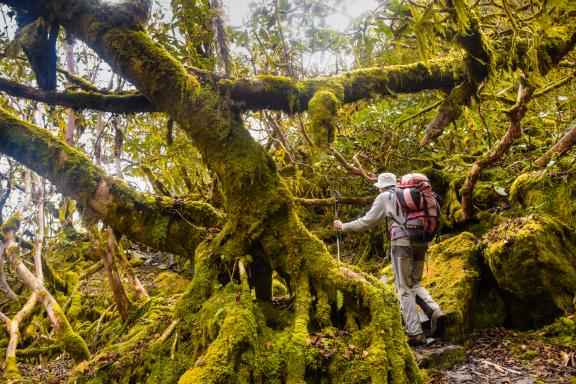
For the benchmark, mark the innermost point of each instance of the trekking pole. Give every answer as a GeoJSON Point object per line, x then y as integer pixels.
{"type": "Point", "coordinates": [336, 200]}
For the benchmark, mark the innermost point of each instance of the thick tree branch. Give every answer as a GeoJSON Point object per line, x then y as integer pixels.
{"type": "Point", "coordinates": [282, 93]}
{"type": "Point", "coordinates": [126, 103]}
{"type": "Point", "coordinates": [173, 225]}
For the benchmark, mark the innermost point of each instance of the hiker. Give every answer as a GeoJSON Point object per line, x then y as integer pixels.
{"type": "Point", "coordinates": [407, 258]}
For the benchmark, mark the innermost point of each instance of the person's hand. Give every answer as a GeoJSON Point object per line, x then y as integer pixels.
{"type": "Point", "coordinates": [337, 224]}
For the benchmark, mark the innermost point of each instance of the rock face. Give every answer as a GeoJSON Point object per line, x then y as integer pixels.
{"type": "Point", "coordinates": [451, 277]}
{"type": "Point", "coordinates": [533, 261]}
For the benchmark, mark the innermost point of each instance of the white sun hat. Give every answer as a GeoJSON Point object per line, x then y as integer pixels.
{"type": "Point", "coordinates": [385, 179]}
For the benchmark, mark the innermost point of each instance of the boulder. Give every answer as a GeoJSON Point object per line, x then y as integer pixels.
{"type": "Point", "coordinates": [533, 260]}
{"type": "Point", "coordinates": [451, 276]}
{"type": "Point", "coordinates": [553, 194]}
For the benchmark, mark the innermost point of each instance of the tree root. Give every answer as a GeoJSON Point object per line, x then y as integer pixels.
{"type": "Point", "coordinates": [221, 335]}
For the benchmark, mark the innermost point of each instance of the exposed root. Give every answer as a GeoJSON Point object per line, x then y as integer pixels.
{"type": "Point", "coordinates": [234, 348]}
{"type": "Point", "coordinates": [296, 354]}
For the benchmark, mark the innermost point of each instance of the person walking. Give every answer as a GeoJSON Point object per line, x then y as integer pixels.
{"type": "Point", "coordinates": [407, 260]}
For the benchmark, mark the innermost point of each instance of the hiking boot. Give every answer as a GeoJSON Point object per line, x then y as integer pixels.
{"type": "Point", "coordinates": [437, 323]}
{"type": "Point", "coordinates": [418, 339]}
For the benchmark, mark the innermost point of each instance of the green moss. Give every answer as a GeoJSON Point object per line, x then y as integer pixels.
{"type": "Point", "coordinates": [323, 309]}
{"type": "Point", "coordinates": [169, 283]}
{"type": "Point", "coordinates": [224, 355]}
{"type": "Point", "coordinates": [547, 193]}
{"type": "Point", "coordinates": [296, 351]}
{"type": "Point", "coordinates": [278, 288]}
{"type": "Point", "coordinates": [69, 340]}
{"type": "Point", "coordinates": [451, 277]}
{"type": "Point", "coordinates": [533, 260]}
{"type": "Point", "coordinates": [76, 305]}
{"type": "Point", "coordinates": [323, 109]}
{"type": "Point", "coordinates": [159, 231]}
{"type": "Point", "coordinates": [562, 331]}
{"type": "Point", "coordinates": [135, 262]}
{"type": "Point", "coordinates": [12, 224]}
{"type": "Point", "coordinates": [11, 371]}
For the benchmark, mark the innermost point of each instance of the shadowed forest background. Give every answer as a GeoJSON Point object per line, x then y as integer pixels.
{"type": "Point", "coordinates": [167, 180]}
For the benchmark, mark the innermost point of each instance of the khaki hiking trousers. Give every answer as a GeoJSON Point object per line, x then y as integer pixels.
{"type": "Point", "coordinates": [408, 266]}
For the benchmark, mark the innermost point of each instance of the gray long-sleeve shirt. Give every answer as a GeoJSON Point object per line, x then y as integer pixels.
{"type": "Point", "coordinates": [384, 207]}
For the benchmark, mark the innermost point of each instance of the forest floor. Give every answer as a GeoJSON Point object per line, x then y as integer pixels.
{"type": "Point", "coordinates": [493, 356]}
{"type": "Point", "coordinates": [501, 355]}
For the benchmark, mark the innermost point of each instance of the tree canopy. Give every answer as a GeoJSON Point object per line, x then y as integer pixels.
{"type": "Point", "coordinates": [155, 126]}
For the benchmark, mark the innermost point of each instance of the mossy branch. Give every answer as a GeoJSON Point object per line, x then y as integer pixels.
{"type": "Point", "coordinates": [124, 103]}
{"type": "Point", "coordinates": [134, 214]}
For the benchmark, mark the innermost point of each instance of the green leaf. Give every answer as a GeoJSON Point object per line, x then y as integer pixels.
{"type": "Point", "coordinates": [501, 191]}
{"type": "Point", "coordinates": [339, 299]}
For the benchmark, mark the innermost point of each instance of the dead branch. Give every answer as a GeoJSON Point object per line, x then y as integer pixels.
{"type": "Point", "coordinates": [355, 170]}
{"type": "Point", "coordinates": [139, 289]}
{"type": "Point", "coordinates": [514, 131]}
{"type": "Point", "coordinates": [560, 147]}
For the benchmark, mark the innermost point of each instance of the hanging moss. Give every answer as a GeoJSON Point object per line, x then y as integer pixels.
{"type": "Point", "coordinates": [322, 109]}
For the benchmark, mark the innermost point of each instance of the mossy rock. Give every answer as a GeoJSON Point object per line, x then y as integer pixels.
{"type": "Point", "coordinates": [440, 357]}
{"type": "Point", "coordinates": [170, 283]}
{"type": "Point", "coordinates": [489, 306]}
{"type": "Point", "coordinates": [533, 260]}
{"type": "Point", "coordinates": [562, 331]}
{"type": "Point", "coordinates": [451, 277]}
{"type": "Point", "coordinates": [554, 194]}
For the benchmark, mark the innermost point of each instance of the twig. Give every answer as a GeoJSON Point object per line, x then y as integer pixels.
{"type": "Point", "coordinates": [330, 201]}
{"type": "Point", "coordinates": [421, 112]}
{"type": "Point", "coordinates": [500, 368]}
{"type": "Point", "coordinates": [166, 334]}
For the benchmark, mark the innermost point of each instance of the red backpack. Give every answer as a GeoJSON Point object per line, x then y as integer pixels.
{"type": "Point", "coordinates": [421, 207]}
